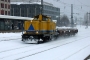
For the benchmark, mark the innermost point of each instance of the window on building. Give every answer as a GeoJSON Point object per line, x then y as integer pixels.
{"type": "Point", "coordinates": [5, 0]}
{"type": "Point", "coordinates": [8, 6]}
{"type": "Point", "coordinates": [5, 12]}
{"type": "Point", "coordinates": [2, 0]}
{"type": "Point", "coordinates": [8, 0]}
{"type": "Point", "coordinates": [2, 5]}
{"type": "Point", "coordinates": [5, 5]}
{"type": "Point", "coordinates": [2, 12]}
{"type": "Point", "coordinates": [8, 12]}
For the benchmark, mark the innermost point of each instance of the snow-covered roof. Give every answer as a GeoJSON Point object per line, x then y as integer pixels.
{"type": "Point", "coordinates": [65, 27]}
{"type": "Point", "coordinates": [15, 17]}
{"type": "Point", "coordinates": [18, 3]}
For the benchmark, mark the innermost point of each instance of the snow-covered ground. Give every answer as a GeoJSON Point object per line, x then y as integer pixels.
{"type": "Point", "coordinates": [64, 48]}
{"type": "Point", "coordinates": [7, 36]}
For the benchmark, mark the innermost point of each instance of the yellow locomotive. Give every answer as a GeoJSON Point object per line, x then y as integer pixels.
{"type": "Point", "coordinates": [41, 28]}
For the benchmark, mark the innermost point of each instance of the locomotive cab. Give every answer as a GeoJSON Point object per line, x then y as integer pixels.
{"type": "Point", "coordinates": [41, 28]}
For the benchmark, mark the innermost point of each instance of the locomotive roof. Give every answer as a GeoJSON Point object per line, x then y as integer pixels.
{"type": "Point", "coordinates": [37, 16]}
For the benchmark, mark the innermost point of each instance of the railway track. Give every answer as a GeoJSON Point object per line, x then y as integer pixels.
{"type": "Point", "coordinates": [87, 58]}
{"type": "Point", "coordinates": [9, 39]}
{"type": "Point", "coordinates": [75, 51]}
{"type": "Point", "coordinates": [38, 48]}
{"type": "Point", "coordinates": [51, 49]}
{"type": "Point", "coordinates": [14, 48]}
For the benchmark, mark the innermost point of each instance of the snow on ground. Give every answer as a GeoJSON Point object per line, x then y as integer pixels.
{"type": "Point", "coordinates": [64, 48]}
{"type": "Point", "coordinates": [4, 36]}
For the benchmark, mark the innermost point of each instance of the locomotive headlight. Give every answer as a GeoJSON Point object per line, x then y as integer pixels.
{"type": "Point", "coordinates": [31, 20]}
{"type": "Point", "coordinates": [37, 32]}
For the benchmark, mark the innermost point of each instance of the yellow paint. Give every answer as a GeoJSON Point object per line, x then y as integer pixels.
{"type": "Point", "coordinates": [40, 24]}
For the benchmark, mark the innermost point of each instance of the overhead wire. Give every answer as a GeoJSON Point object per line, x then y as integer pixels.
{"type": "Point", "coordinates": [83, 3]}
{"type": "Point", "coordinates": [73, 4]}
{"type": "Point", "coordinates": [80, 10]}
{"type": "Point", "coordinates": [67, 4]}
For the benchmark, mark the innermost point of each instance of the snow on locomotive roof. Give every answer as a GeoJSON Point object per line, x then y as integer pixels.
{"type": "Point", "coordinates": [15, 17]}
{"type": "Point", "coordinates": [65, 27]}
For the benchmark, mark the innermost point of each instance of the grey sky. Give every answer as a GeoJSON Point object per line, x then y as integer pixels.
{"type": "Point", "coordinates": [79, 6]}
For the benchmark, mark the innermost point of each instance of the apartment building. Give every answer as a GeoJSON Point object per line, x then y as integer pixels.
{"type": "Point", "coordinates": [4, 7]}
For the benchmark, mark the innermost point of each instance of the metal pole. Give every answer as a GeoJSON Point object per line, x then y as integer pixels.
{"type": "Point", "coordinates": [27, 12]}
{"type": "Point", "coordinates": [13, 11]}
{"type": "Point", "coordinates": [20, 11]}
{"type": "Point", "coordinates": [22, 27]}
{"type": "Point", "coordinates": [35, 11]}
{"type": "Point", "coordinates": [87, 20]}
{"type": "Point", "coordinates": [59, 19]}
{"type": "Point", "coordinates": [42, 7]}
{"type": "Point", "coordinates": [72, 16]}
{"type": "Point", "coordinates": [80, 22]}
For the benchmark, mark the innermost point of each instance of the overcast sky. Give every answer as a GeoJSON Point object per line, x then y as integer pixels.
{"type": "Point", "coordinates": [79, 6]}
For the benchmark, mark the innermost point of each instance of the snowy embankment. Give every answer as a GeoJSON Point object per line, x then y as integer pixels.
{"type": "Point", "coordinates": [64, 48]}
{"type": "Point", "coordinates": [7, 36]}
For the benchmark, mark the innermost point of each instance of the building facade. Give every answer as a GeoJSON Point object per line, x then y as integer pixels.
{"type": "Point", "coordinates": [4, 10]}
{"type": "Point", "coordinates": [30, 10]}
{"type": "Point", "coordinates": [4, 7]}
{"type": "Point", "coordinates": [87, 19]}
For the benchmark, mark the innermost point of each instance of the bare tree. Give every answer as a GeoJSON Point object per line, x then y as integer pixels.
{"type": "Point", "coordinates": [64, 21]}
